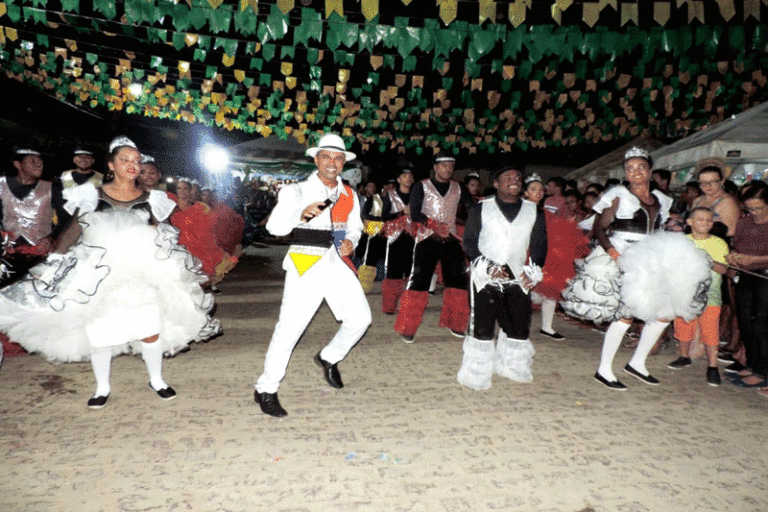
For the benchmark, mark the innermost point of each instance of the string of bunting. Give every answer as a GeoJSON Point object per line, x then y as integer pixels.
{"type": "Point", "coordinates": [272, 67]}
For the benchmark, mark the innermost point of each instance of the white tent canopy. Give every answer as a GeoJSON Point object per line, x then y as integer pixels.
{"type": "Point", "coordinates": [742, 139]}
{"type": "Point", "coordinates": [612, 164]}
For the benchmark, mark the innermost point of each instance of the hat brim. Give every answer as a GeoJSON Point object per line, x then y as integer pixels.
{"type": "Point", "coordinates": [348, 155]}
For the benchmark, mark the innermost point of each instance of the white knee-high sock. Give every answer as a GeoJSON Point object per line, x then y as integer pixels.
{"type": "Point", "coordinates": [547, 315]}
{"type": "Point", "coordinates": [101, 362]}
{"type": "Point", "coordinates": [649, 336]}
{"type": "Point", "coordinates": [152, 353]}
{"type": "Point", "coordinates": [611, 342]}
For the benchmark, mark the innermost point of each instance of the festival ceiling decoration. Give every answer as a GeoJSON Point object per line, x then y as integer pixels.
{"type": "Point", "coordinates": [402, 75]}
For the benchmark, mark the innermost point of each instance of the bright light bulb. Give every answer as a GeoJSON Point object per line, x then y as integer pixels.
{"type": "Point", "coordinates": [136, 90]}
{"type": "Point", "coordinates": [214, 158]}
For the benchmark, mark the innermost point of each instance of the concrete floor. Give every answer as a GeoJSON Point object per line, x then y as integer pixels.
{"type": "Point", "coordinates": [401, 436]}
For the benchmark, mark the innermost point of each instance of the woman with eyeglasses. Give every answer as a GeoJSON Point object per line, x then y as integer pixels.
{"type": "Point", "coordinates": [750, 253]}
{"type": "Point", "coordinates": [724, 206]}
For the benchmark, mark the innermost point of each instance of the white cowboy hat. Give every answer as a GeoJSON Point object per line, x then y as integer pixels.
{"type": "Point", "coordinates": [331, 142]}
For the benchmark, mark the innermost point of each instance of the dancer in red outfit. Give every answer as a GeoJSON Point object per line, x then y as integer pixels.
{"type": "Point", "coordinates": [434, 205]}
{"type": "Point", "coordinates": [228, 225]}
{"type": "Point", "coordinates": [197, 225]}
{"type": "Point", "coordinates": [565, 243]}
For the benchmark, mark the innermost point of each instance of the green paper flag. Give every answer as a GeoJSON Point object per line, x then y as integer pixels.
{"type": "Point", "coordinates": [106, 7]}
{"type": "Point", "coordinates": [219, 20]}
{"type": "Point", "coordinates": [198, 17]}
{"type": "Point", "coordinates": [181, 17]}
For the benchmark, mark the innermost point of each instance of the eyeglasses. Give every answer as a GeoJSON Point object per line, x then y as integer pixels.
{"type": "Point", "coordinates": [710, 182]}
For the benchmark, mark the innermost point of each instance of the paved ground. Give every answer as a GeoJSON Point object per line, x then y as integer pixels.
{"type": "Point", "coordinates": [401, 436]}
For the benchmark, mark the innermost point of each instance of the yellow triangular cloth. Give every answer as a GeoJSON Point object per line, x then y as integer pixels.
{"type": "Point", "coordinates": [303, 261]}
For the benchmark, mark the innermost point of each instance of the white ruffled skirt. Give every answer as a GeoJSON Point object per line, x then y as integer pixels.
{"type": "Point", "coordinates": [661, 276]}
{"type": "Point", "coordinates": [123, 281]}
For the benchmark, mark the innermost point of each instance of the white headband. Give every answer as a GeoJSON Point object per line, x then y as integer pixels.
{"type": "Point", "coordinates": [27, 152]}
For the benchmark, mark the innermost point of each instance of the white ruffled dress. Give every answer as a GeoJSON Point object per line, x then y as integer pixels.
{"type": "Point", "coordinates": [124, 280]}
{"type": "Point", "coordinates": [658, 276]}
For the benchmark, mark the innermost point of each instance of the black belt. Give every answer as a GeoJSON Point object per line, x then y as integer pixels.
{"type": "Point", "coordinates": [312, 237]}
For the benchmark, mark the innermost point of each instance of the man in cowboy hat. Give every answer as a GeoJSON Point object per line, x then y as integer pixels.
{"type": "Point", "coordinates": [434, 205]}
{"type": "Point", "coordinates": [324, 216]}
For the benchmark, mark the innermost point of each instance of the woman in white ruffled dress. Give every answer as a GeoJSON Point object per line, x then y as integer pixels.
{"type": "Point", "coordinates": [117, 282]}
{"type": "Point", "coordinates": [636, 271]}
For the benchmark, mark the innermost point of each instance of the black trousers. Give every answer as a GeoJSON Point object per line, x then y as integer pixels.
{"type": "Point", "coordinates": [752, 303]}
{"type": "Point", "coordinates": [509, 306]}
{"type": "Point", "coordinates": [427, 253]}
{"type": "Point", "coordinates": [375, 245]}
{"type": "Point", "coordinates": [400, 257]}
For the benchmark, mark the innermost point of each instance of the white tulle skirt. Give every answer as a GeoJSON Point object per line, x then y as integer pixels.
{"type": "Point", "coordinates": [123, 281]}
{"type": "Point", "coordinates": [661, 276]}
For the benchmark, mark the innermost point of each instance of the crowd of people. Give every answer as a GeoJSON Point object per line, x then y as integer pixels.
{"type": "Point", "coordinates": [87, 253]}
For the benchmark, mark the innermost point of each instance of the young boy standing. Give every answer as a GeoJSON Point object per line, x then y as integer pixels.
{"type": "Point", "coordinates": [701, 220]}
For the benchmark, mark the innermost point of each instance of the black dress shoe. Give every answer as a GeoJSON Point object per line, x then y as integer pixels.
{"type": "Point", "coordinates": [269, 404]}
{"type": "Point", "coordinates": [330, 372]}
{"type": "Point", "coordinates": [648, 379]}
{"type": "Point", "coordinates": [97, 402]}
{"type": "Point", "coordinates": [167, 393]}
{"type": "Point", "coordinates": [613, 384]}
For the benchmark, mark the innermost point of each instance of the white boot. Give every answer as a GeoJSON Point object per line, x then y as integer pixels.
{"type": "Point", "coordinates": [514, 358]}
{"type": "Point", "coordinates": [477, 365]}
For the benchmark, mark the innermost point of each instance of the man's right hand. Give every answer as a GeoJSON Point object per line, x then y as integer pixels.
{"type": "Point", "coordinates": [312, 211]}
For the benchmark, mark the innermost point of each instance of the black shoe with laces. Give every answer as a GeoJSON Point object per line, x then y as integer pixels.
{"type": "Point", "coordinates": [680, 362]}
